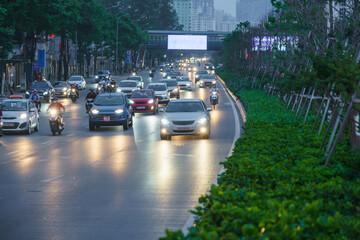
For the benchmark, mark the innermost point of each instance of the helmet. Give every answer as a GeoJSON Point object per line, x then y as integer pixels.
{"type": "Point", "coordinates": [91, 90]}
{"type": "Point", "coordinates": [55, 98]}
{"type": "Point", "coordinates": [34, 90]}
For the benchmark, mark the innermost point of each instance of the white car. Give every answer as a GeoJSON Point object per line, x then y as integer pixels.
{"type": "Point", "coordinates": [78, 80]}
{"type": "Point", "coordinates": [184, 83]}
{"type": "Point", "coordinates": [207, 80]}
{"type": "Point", "coordinates": [161, 92]}
{"type": "Point", "coordinates": [20, 115]}
{"type": "Point", "coordinates": [185, 117]}
{"type": "Point", "coordinates": [139, 79]}
{"type": "Point", "coordinates": [127, 86]}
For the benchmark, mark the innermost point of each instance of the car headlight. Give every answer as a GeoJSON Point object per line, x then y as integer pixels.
{"type": "Point", "coordinates": [118, 90]}
{"type": "Point", "coordinates": [151, 101]}
{"type": "Point", "coordinates": [164, 121]}
{"type": "Point", "coordinates": [64, 89]}
{"type": "Point", "coordinates": [194, 69]}
{"type": "Point", "coordinates": [1, 123]}
{"type": "Point", "coordinates": [23, 116]}
{"type": "Point", "coordinates": [45, 93]}
{"type": "Point", "coordinates": [27, 92]}
{"type": "Point", "coordinates": [214, 82]}
{"type": "Point", "coordinates": [94, 111]}
{"type": "Point", "coordinates": [168, 77]}
{"type": "Point", "coordinates": [175, 90]}
{"type": "Point", "coordinates": [131, 101]}
{"type": "Point", "coordinates": [73, 90]}
{"type": "Point", "coordinates": [188, 84]}
{"type": "Point", "coordinates": [202, 120]}
{"type": "Point", "coordinates": [96, 77]}
{"type": "Point", "coordinates": [201, 81]}
{"type": "Point", "coordinates": [53, 112]}
{"type": "Point", "coordinates": [197, 76]}
{"type": "Point", "coordinates": [119, 111]}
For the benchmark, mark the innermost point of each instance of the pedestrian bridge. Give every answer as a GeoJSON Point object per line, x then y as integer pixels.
{"type": "Point", "coordinates": [182, 40]}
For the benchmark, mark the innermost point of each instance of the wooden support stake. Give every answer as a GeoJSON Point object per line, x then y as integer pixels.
{"type": "Point", "coordinates": [307, 112]}
{"type": "Point", "coordinates": [301, 98]}
{"type": "Point", "coordinates": [324, 116]}
{"type": "Point", "coordinates": [318, 115]}
{"type": "Point", "coordinates": [335, 128]}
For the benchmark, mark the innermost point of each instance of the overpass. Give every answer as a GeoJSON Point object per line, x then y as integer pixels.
{"type": "Point", "coordinates": [158, 39]}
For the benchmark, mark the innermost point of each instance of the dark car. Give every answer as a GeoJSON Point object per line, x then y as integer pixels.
{"type": "Point", "coordinates": [111, 109]}
{"type": "Point", "coordinates": [62, 89]}
{"type": "Point", "coordinates": [199, 73]}
{"type": "Point", "coordinates": [102, 74]}
{"type": "Point", "coordinates": [143, 101]}
{"type": "Point", "coordinates": [44, 89]}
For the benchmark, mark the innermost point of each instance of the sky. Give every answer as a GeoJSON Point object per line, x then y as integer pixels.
{"type": "Point", "coordinates": [228, 5]}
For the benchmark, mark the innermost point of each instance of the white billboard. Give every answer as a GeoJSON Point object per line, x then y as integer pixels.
{"type": "Point", "coordinates": [187, 42]}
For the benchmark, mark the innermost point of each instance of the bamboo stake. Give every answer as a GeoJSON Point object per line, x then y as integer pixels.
{"type": "Point", "coordinates": [301, 98]}
{"type": "Point", "coordinates": [332, 120]}
{"type": "Point", "coordinates": [307, 112]}
{"type": "Point", "coordinates": [303, 108]}
{"type": "Point", "coordinates": [318, 115]}
{"type": "Point", "coordinates": [335, 128]}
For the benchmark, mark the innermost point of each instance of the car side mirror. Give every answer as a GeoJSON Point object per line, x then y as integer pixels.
{"type": "Point", "coordinates": [32, 109]}
{"type": "Point", "coordinates": [209, 109]}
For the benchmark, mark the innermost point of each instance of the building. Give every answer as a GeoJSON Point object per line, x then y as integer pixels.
{"type": "Point", "coordinates": [203, 15]}
{"type": "Point", "coordinates": [183, 10]}
{"type": "Point", "coordinates": [252, 11]}
{"type": "Point", "coordinates": [224, 22]}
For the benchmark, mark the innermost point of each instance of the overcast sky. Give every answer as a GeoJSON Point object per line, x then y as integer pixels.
{"type": "Point", "coordinates": [227, 5]}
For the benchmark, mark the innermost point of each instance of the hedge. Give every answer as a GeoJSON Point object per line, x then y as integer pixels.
{"type": "Point", "coordinates": [275, 185]}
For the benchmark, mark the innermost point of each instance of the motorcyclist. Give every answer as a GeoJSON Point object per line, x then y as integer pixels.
{"type": "Point", "coordinates": [214, 89]}
{"type": "Point", "coordinates": [74, 86]}
{"type": "Point", "coordinates": [36, 99]}
{"type": "Point", "coordinates": [91, 94]}
{"type": "Point", "coordinates": [99, 88]}
{"type": "Point", "coordinates": [108, 84]}
{"type": "Point", "coordinates": [59, 107]}
{"type": "Point", "coordinates": [1, 133]}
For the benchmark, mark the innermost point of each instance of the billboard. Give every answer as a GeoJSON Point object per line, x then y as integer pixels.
{"type": "Point", "coordinates": [187, 42]}
{"type": "Point", "coordinates": [265, 43]}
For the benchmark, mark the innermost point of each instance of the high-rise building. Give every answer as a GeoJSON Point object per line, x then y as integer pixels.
{"type": "Point", "coordinates": [183, 10]}
{"type": "Point", "coordinates": [203, 15]}
{"type": "Point", "coordinates": [224, 21]}
{"type": "Point", "coordinates": [252, 10]}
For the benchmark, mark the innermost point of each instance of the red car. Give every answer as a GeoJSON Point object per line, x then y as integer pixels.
{"type": "Point", "coordinates": [143, 101]}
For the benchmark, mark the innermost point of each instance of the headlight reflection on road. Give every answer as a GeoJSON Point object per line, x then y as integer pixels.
{"type": "Point", "coordinates": [25, 165]}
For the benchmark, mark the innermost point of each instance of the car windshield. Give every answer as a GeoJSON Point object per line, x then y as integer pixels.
{"type": "Point", "coordinates": [75, 78]}
{"type": "Point", "coordinates": [109, 100]}
{"type": "Point", "coordinates": [170, 83]}
{"type": "Point", "coordinates": [135, 78]}
{"type": "Point", "coordinates": [128, 84]}
{"type": "Point", "coordinates": [183, 79]}
{"type": "Point", "coordinates": [202, 73]}
{"type": "Point", "coordinates": [185, 107]}
{"type": "Point", "coordinates": [208, 76]}
{"type": "Point", "coordinates": [60, 84]}
{"type": "Point", "coordinates": [39, 85]}
{"type": "Point", "coordinates": [157, 87]}
{"type": "Point", "coordinates": [141, 94]}
{"type": "Point", "coordinates": [14, 106]}
{"type": "Point", "coordinates": [103, 72]}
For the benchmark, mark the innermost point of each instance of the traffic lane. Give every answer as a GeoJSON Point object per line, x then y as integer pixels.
{"type": "Point", "coordinates": [153, 176]}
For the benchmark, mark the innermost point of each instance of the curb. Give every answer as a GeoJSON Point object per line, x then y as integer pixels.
{"type": "Point", "coordinates": [191, 220]}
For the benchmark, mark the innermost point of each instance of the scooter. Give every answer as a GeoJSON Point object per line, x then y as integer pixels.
{"type": "Point", "coordinates": [1, 124]}
{"type": "Point", "coordinates": [89, 104]}
{"type": "Point", "coordinates": [73, 95]}
{"type": "Point", "coordinates": [55, 120]}
{"type": "Point", "coordinates": [214, 99]}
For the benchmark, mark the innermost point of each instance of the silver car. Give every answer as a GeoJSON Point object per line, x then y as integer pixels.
{"type": "Point", "coordinates": [78, 80]}
{"type": "Point", "coordinates": [161, 92]}
{"type": "Point", "coordinates": [184, 83]}
{"type": "Point", "coordinates": [139, 79]}
{"type": "Point", "coordinates": [20, 115]}
{"type": "Point", "coordinates": [127, 86]}
{"type": "Point", "coordinates": [185, 117]}
{"type": "Point", "coordinates": [207, 80]}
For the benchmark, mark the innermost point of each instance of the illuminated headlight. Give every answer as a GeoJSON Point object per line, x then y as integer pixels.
{"type": "Point", "coordinates": [188, 84]}
{"type": "Point", "coordinates": [150, 72]}
{"type": "Point", "coordinates": [164, 74]}
{"type": "Point", "coordinates": [94, 111]}
{"type": "Point", "coordinates": [73, 90]}
{"type": "Point", "coordinates": [196, 75]}
{"type": "Point", "coordinates": [27, 92]}
{"type": "Point", "coordinates": [164, 121]}
{"type": "Point", "coordinates": [119, 111]}
{"type": "Point", "coordinates": [1, 124]}
{"type": "Point", "coordinates": [96, 77]}
{"type": "Point", "coordinates": [168, 77]}
{"type": "Point", "coordinates": [53, 112]}
{"type": "Point", "coordinates": [23, 116]}
{"type": "Point", "coordinates": [64, 89]}
{"type": "Point", "coordinates": [201, 82]}
{"type": "Point", "coordinates": [118, 90]}
{"type": "Point", "coordinates": [131, 101]}
{"type": "Point", "coordinates": [99, 89]}
{"type": "Point", "coordinates": [151, 101]}
{"type": "Point", "coordinates": [189, 69]}
{"type": "Point", "coordinates": [214, 82]}
{"type": "Point", "coordinates": [45, 93]}
{"type": "Point", "coordinates": [194, 69]}
{"type": "Point", "coordinates": [202, 120]}
{"type": "Point", "coordinates": [107, 76]}
{"type": "Point", "coordinates": [175, 90]}
{"type": "Point", "coordinates": [112, 85]}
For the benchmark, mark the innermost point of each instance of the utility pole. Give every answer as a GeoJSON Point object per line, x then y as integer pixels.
{"type": "Point", "coordinates": [117, 39]}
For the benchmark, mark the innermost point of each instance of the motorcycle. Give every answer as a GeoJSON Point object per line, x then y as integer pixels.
{"type": "Point", "coordinates": [214, 99]}
{"type": "Point", "coordinates": [1, 124]}
{"type": "Point", "coordinates": [37, 104]}
{"type": "Point", "coordinates": [89, 104]}
{"type": "Point", "coordinates": [99, 89]}
{"type": "Point", "coordinates": [73, 95]}
{"type": "Point", "coordinates": [56, 125]}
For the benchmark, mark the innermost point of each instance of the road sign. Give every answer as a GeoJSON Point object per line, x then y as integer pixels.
{"type": "Point", "coordinates": [36, 66]}
{"type": "Point", "coordinates": [128, 57]}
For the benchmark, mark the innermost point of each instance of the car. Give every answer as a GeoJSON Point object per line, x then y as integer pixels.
{"type": "Point", "coordinates": [139, 79]}
{"type": "Point", "coordinates": [102, 74]}
{"type": "Point", "coordinates": [161, 92]}
{"type": "Point", "coordinates": [209, 66]}
{"type": "Point", "coordinates": [111, 109]}
{"type": "Point", "coordinates": [44, 89]}
{"type": "Point", "coordinates": [192, 68]}
{"type": "Point", "coordinates": [62, 88]}
{"type": "Point", "coordinates": [20, 115]}
{"type": "Point", "coordinates": [143, 101]}
{"type": "Point", "coordinates": [174, 75]}
{"type": "Point", "coordinates": [78, 80]}
{"type": "Point", "coordinates": [207, 80]}
{"type": "Point", "coordinates": [199, 73]}
{"type": "Point", "coordinates": [127, 86]}
{"type": "Point", "coordinates": [185, 117]}
{"type": "Point", "coordinates": [172, 86]}
{"type": "Point", "coordinates": [184, 83]}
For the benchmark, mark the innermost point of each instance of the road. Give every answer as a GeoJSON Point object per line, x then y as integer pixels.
{"type": "Point", "coordinates": [109, 183]}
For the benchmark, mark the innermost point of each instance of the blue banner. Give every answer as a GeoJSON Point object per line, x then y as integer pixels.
{"type": "Point", "coordinates": [41, 58]}
{"type": "Point", "coordinates": [128, 57]}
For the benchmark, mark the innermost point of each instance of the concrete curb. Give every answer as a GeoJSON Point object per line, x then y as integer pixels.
{"type": "Point", "coordinates": [191, 220]}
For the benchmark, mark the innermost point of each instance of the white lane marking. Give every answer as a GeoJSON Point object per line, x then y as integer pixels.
{"type": "Point", "coordinates": [52, 179]}
{"type": "Point", "coordinates": [95, 162]}
{"type": "Point", "coordinates": [43, 160]}
{"type": "Point", "coordinates": [69, 135]}
{"type": "Point", "coordinates": [191, 220]}
{"type": "Point", "coordinates": [12, 152]}
{"type": "Point", "coordinates": [183, 155]}
{"type": "Point", "coordinates": [46, 142]}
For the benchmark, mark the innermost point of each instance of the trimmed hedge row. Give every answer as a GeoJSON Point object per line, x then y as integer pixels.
{"type": "Point", "coordinates": [275, 185]}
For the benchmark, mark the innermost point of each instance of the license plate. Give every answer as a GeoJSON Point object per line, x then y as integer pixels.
{"type": "Point", "coordinates": [182, 128]}
{"type": "Point", "coordinates": [107, 119]}
{"type": "Point", "coordinates": [140, 107]}
{"type": "Point", "coordinates": [5, 124]}
{"type": "Point", "coordinates": [182, 87]}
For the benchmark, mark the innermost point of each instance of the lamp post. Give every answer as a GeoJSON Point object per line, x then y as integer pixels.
{"type": "Point", "coordinates": [117, 38]}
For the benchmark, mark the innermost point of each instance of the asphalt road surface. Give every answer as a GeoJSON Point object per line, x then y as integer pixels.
{"type": "Point", "coordinates": [109, 183]}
